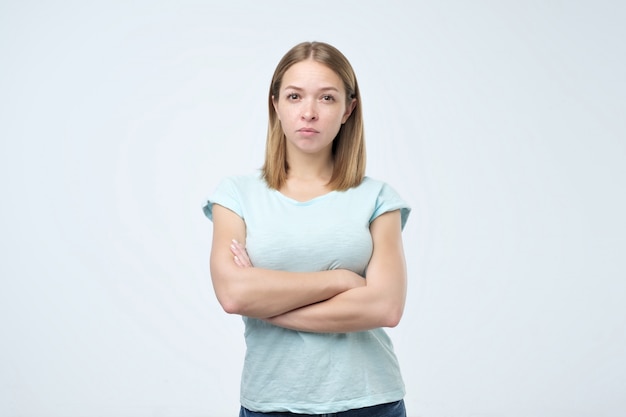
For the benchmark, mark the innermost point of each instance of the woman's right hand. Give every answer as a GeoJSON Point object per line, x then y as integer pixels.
{"type": "Point", "coordinates": [240, 254]}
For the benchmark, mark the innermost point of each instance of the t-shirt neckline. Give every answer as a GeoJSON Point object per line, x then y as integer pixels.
{"type": "Point", "coordinates": [307, 202]}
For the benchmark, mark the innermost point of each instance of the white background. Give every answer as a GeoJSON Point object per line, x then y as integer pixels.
{"type": "Point", "coordinates": [501, 122]}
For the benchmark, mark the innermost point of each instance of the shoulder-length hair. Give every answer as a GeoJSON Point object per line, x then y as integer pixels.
{"type": "Point", "coordinates": [348, 146]}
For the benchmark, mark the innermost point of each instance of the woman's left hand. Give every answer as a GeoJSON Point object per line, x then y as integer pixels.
{"type": "Point", "coordinates": [241, 257]}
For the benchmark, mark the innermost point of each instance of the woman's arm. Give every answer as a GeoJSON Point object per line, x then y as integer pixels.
{"type": "Point", "coordinates": [262, 293]}
{"type": "Point", "coordinates": [380, 303]}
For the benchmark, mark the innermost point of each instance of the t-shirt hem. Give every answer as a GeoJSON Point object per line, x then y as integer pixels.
{"type": "Point", "coordinates": [326, 407]}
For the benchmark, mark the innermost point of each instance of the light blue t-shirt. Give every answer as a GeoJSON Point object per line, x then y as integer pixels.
{"type": "Point", "coordinates": [302, 372]}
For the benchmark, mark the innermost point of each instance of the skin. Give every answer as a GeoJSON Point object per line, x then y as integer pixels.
{"type": "Point", "coordinates": [311, 106]}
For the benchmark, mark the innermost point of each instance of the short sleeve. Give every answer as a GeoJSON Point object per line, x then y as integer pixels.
{"type": "Point", "coordinates": [227, 195]}
{"type": "Point", "coordinates": [389, 200]}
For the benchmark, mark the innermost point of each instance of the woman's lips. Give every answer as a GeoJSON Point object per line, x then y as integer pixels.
{"type": "Point", "coordinates": [307, 130]}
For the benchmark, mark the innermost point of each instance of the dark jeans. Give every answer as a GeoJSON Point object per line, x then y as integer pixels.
{"type": "Point", "coordinates": [383, 410]}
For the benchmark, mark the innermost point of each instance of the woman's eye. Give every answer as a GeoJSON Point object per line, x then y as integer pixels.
{"type": "Point", "coordinates": [293, 96]}
{"type": "Point", "coordinates": [328, 98]}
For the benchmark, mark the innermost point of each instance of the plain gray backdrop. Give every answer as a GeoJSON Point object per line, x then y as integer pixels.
{"type": "Point", "coordinates": [501, 122]}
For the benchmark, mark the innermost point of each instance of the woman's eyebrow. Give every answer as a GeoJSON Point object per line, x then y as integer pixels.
{"type": "Point", "coordinates": [293, 87]}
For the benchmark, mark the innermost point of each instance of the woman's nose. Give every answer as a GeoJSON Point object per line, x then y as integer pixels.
{"type": "Point", "coordinates": [309, 112]}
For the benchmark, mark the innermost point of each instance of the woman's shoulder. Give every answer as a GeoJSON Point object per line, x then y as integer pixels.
{"type": "Point", "coordinates": [372, 189]}
{"type": "Point", "coordinates": [369, 184]}
{"type": "Point", "coordinates": [387, 198]}
{"type": "Point", "coordinates": [382, 191]}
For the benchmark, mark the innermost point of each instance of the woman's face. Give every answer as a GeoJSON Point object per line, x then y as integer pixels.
{"type": "Point", "coordinates": [311, 107]}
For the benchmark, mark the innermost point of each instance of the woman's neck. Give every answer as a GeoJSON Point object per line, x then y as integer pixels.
{"type": "Point", "coordinates": [308, 177]}
{"type": "Point", "coordinates": [310, 168]}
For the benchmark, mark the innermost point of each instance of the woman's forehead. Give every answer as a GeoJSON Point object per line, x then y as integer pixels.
{"type": "Point", "coordinates": [309, 73]}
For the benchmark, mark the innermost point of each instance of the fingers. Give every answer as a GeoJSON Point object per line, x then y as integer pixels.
{"type": "Point", "coordinates": [240, 255]}
{"type": "Point", "coordinates": [238, 262]}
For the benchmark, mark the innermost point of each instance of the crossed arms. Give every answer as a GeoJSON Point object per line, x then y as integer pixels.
{"type": "Point", "coordinates": [334, 301]}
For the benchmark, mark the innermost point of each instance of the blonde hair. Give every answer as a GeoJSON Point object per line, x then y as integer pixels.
{"type": "Point", "coordinates": [349, 144]}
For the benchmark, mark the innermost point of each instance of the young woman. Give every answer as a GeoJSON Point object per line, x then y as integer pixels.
{"type": "Point", "coordinates": [309, 251]}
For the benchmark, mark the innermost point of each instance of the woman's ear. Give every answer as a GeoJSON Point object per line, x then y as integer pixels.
{"type": "Point", "coordinates": [275, 104]}
{"type": "Point", "coordinates": [349, 108]}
